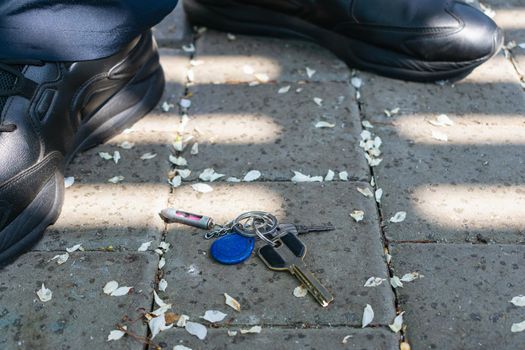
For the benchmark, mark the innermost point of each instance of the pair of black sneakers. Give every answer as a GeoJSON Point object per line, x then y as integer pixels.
{"type": "Point", "coordinates": [52, 110]}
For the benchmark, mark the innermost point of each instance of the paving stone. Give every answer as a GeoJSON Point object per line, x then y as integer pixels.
{"type": "Point", "coordinates": [457, 190]}
{"type": "Point", "coordinates": [282, 60]}
{"type": "Point", "coordinates": [122, 216]}
{"type": "Point", "coordinates": [463, 300]}
{"type": "Point", "coordinates": [175, 29]}
{"type": "Point", "coordinates": [241, 128]}
{"type": "Point", "coordinates": [276, 338]}
{"type": "Point", "coordinates": [343, 260]}
{"type": "Point", "coordinates": [79, 312]}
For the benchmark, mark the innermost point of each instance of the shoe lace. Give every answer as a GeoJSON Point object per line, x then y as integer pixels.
{"type": "Point", "coordinates": [7, 90]}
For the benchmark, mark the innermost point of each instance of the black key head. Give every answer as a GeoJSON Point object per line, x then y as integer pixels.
{"type": "Point", "coordinates": [284, 254]}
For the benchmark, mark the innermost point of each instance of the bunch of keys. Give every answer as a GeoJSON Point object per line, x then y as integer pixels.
{"type": "Point", "coordinates": [283, 250]}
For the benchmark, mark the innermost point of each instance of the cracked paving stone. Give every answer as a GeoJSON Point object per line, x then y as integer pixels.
{"type": "Point", "coordinates": [240, 128]}
{"type": "Point", "coordinates": [79, 313]}
{"type": "Point", "coordinates": [463, 300]}
{"type": "Point", "coordinates": [342, 260]}
{"type": "Point", "coordinates": [282, 61]}
{"type": "Point", "coordinates": [459, 190]}
{"type": "Point", "coordinates": [275, 338]}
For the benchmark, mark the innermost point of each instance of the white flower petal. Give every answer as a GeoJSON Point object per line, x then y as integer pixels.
{"type": "Point", "coordinates": [310, 72]}
{"type": "Point", "coordinates": [180, 161]}
{"type": "Point", "coordinates": [162, 262]}
{"type": "Point", "coordinates": [262, 77]}
{"type": "Point", "coordinates": [365, 192]}
{"type": "Point", "coordinates": [440, 136]}
{"type": "Point", "coordinates": [395, 282]}
{"type": "Point", "coordinates": [116, 334]}
{"type": "Point", "coordinates": [185, 103]}
{"type": "Point", "coordinates": [397, 324]}
{"type": "Point", "coordinates": [214, 316]}
{"type": "Point", "coordinates": [324, 125]}
{"type": "Point", "coordinates": [116, 157]}
{"type": "Point", "coordinates": [518, 300]}
{"type": "Point", "coordinates": [343, 175]}
{"type": "Point", "coordinates": [400, 216]}
{"type": "Point", "coordinates": [196, 329]}
{"type": "Point", "coordinates": [120, 291]}
{"type": "Point", "coordinates": [126, 145]}
{"type": "Point", "coordinates": [69, 181]}
{"type": "Point", "coordinates": [181, 347]}
{"type": "Point", "coordinates": [105, 155]}
{"type": "Point", "coordinates": [518, 327]}
{"type": "Point", "coordinates": [232, 333]}
{"type": "Point", "coordinates": [116, 179]}
{"type": "Point", "coordinates": [252, 175]}
{"type": "Point", "coordinates": [284, 89]}
{"type": "Point", "coordinates": [44, 294]}
{"type": "Point", "coordinates": [176, 181]}
{"type": "Point", "coordinates": [184, 173]}
{"type": "Point", "coordinates": [182, 320]}
{"type": "Point", "coordinates": [157, 325]}
{"type": "Point", "coordinates": [409, 277]}
{"type": "Point", "coordinates": [318, 101]}
{"type": "Point", "coordinates": [202, 188]}
{"type": "Point", "coordinates": [194, 149]}
{"type": "Point", "coordinates": [378, 195]}
{"type": "Point", "coordinates": [62, 258]}
{"type": "Point", "coordinates": [234, 304]}
{"type": "Point", "coordinates": [148, 155]}
{"type": "Point", "coordinates": [374, 281]}
{"type": "Point", "coordinates": [210, 175]}
{"type": "Point", "coordinates": [110, 287]}
{"type": "Point", "coordinates": [144, 246]}
{"type": "Point", "coordinates": [299, 177]}
{"type": "Point", "coordinates": [163, 284]}
{"type": "Point", "coordinates": [329, 175]}
{"type": "Point", "coordinates": [300, 292]}
{"type": "Point", "coordinates": [75, 248]}
{"type": "Point", "coordinates": [442, 120]}
{"type": "Point", "coordinates": [368, 316]}
{"type": "Point", "coordinates": [357, 215]}
{"type": "Point", "coordinates": [367, 124]}
{"type": "Point", "coordinates": [252, 330]}
{"type": "Point", "coordinates": [233, 179]}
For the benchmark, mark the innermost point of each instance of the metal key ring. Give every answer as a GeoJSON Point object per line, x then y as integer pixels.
{"type": "Point", "coordinates": [269, 224]}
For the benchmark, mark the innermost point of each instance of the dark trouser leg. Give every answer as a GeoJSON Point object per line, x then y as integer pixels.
{"type": "Point", "coordinates": [66, 30]}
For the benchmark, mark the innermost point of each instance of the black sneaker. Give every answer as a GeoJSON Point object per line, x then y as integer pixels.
{"type": "Point", "coordinates": [420, 40]}
{"type": "Point", "coordinates": [52, 110]}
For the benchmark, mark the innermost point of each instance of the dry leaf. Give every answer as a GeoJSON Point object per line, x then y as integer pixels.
{"type": "Point", "coordinates": [300, 292]}
{"type": "Point", "coordinates": [398, 323]}
{"type": "Point", "coordinates": [252, 330]}
{"type": "Point", "coordinates": [368, 316]}
{"type": "Point", "coordinates": [196, 329]}
{"type": "Point", "coordinates": [214, 316]}
{"type": "Point", "coordinates": [324, 125]}
{"type": "Point", "coordinates": [252, 175]}
{"type": "Point", "coordinates": [69, 181]}
{"type": "Point", "coordinates": [234, 304]}
{"type": "Point", "coordinates": [519, 300]}
{"type": "Point", "coordinates": [44, 294]}
{"type": "Point", "coordinates": [400, 216]}
{"type": "Point", "coordinates": [357, 215]}
{"type": "Point", "coordinates": [329, 175]}
{"type": "Point", "coordinates": [202, 188]}
{"type": "Point", "coordinates": [374, 281]}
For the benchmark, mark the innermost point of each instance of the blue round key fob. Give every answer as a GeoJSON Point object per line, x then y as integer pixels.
{"type": "Point", "coordinates": [232, 249]}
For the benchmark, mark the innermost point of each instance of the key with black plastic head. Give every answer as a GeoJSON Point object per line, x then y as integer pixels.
{"type": "Point", "coordinates": [287, 255]}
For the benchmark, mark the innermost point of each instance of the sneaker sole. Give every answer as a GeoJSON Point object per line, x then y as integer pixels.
{"type": "Point", "coordinates": [246, 19]}
{"type": "Point", "coordinates": [45, 209]}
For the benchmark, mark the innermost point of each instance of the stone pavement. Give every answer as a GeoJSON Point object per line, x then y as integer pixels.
{"type": "Point", "coordinates": [463, 198]}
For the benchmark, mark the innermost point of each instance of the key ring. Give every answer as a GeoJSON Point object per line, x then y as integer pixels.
{"type": "Point", "coordinates": [255, 223]}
